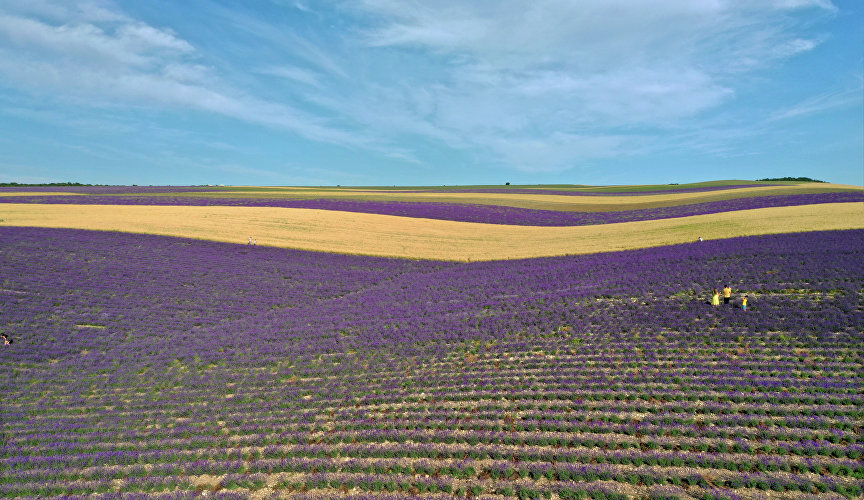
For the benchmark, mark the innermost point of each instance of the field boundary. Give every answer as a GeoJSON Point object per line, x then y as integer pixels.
{"type": "Point", "coordinates": [393, 236]}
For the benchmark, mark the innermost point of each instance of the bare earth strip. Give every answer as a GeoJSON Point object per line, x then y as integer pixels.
{"type": "Point", "coordinates": [538, 201]}
{"type": "Point", "coordinates": [385, 235]}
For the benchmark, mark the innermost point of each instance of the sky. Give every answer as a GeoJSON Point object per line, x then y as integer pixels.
{"type": "Point", "coordinates": [432, 92]}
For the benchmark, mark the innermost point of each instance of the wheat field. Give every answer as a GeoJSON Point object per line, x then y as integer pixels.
{"type": "Point", "coordinates": [385, 235]}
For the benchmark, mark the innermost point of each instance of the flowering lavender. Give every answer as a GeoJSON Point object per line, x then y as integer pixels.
{"type": "Point", "coordinates": [489, 214]}
{"type": "Point", "coordinates": [106, 190]}
{"type": "Point", "coordinates": [146, 365]}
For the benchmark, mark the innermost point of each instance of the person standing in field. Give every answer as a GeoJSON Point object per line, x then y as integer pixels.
{"type": "Point", "coordinates": [727, 294]}
{"type": "Point", "coordinates": [744, 303]}
{"type": "Point", "coordinates": [715, 299]}
{"type": "Point", "coordinates": [250, 241]}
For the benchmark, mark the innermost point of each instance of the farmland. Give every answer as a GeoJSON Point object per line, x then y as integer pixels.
{"type": "Point", "coordinates": [446, 224]}
{"type": "Point", "coordinates": [146, 364]}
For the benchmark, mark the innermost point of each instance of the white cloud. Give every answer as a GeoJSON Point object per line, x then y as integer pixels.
{"type": "Point", "coordinates": [111, 60]}
{"type": "Point", "coordinates": [302, 7]}
{"type": "Point", "coordinates": [820, 103]}
{"type": "Point", "coordinates": [293, 73]}
{"type": "Point", "coordinates": [541, 85]}
{"type": "Point", "coordinates": [798, 4]}
{"type": "Point", "coordinates": [795, 46]}
{"type": "Point", "coordinates": [276, 37]}
{"type": "Point", "coordinates": [85, 42]}
{"type": "Point", "coordinates": [538, 82]}
{"type": "Point", "coordinates": [559, 151]}
{"type": "Point", "coordinates": [140, 36]}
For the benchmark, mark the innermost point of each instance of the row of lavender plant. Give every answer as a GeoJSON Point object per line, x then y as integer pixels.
{"type": "Point", "coordinates": [193, 366]}
{"type": "Point", "coordinates": [488, 214]}
{"type": "Point", "coordinates": [108, 190]}
{"type": "Point", "coordinates": [592, 191]}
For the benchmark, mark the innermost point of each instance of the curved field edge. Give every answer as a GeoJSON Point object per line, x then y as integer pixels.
{"type": "Point", "coordinates": [486, 214]}
{"type": "Point", "coordinates": [539, 188]}
{"type": "Point", "coordinates": [535, 200]}
{"type": "Point", "coordinates": [526, 199]}
{"type": "Point", "coordinates": [393, 236]}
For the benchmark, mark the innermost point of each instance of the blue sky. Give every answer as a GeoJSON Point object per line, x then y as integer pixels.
{"type": "Point", "coordinates": [401, 92]}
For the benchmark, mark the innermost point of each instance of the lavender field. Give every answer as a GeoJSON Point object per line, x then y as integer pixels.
{"type": "Point", "coordinates": [147, 365]}
{"type": "Point", "coordinates": [487, 214]}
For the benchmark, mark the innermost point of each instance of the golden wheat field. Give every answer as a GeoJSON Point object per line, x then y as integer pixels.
{"type": "Point", "coordinates": [384, 235]}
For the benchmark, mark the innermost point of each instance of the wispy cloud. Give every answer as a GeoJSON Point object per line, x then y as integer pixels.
{"type": "Point", "coordinates": [552, 82]}
{"type": "Point", "coordinates": [539, 86]}
{"type": "Point", "coordinates": [820, 103]}
{"type": "Point", "coordinates": [129, 45]}
{"type": "Point", "coordinates": [287, 43]}
{"type": "Point", "coordinates": [293, 73]}
{"type": "Point", "coordinates": [111, 60]}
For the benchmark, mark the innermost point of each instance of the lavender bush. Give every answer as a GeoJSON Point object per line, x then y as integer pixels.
{"type": "Point", "coordinates": [154, 366]}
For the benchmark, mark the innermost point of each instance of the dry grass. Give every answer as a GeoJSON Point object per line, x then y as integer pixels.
{"type": "Point", "coordinates": [372, 234]}
{"type": "Point", "coordinates": [538, 201]}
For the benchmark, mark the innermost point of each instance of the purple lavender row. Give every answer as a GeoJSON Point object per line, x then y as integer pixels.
{"type": "Point", "coordinates": [387, 472]}
{"type": "Point", "coordinates": [571, 192]}
{"type": "Point", "coordinates": [101, 190]}
{"type": "Point", "coordinates": [672, 415]}
{"type": "Point", "coordinates": [835, 430]}
{"type": "Point", "coordinates": [105, 190]}
{"type": "Point", "coordinates": [378, 312]}
{"type": "Point", "coordinates": [487, 214]}
{"type": "Point", "coordinates": [827, 434]}
{"type": "Point", "coordinates": [281, 458]}
{"type": "Point", "coordinates": [275, 458]}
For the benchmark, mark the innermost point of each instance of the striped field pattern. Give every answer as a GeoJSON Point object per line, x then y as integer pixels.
{"type": "Point", "coordinates": [162, 366]}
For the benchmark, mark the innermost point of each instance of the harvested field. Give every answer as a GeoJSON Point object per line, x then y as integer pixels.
{"type": "Point", "coordinates": [487, 214]}
{"type": "Point", "coordinates": [372, 234]}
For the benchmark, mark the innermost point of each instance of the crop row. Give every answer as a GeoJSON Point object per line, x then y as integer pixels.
{"type": "Point", "coordinates": [488, 214]}
{"type": "Point", "coordinates": [138, 360]}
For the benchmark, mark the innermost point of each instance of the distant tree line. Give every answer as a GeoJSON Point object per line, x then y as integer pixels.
{"type": "Point", "coordinates": [796, 179]}
{"type": "Point", "coordinates": [13, 184]}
